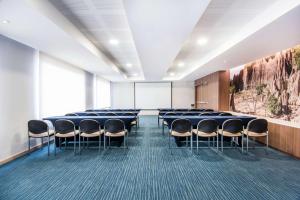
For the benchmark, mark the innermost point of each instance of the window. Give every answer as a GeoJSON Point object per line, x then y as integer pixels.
{"type": "Point", "coordinates": [62, 88]}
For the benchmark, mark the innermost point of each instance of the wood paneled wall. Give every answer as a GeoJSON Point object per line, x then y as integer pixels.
{"type": "Point", "coordinates": [284, 138]}
{"type": "Point", "coordinates": [212, 91]}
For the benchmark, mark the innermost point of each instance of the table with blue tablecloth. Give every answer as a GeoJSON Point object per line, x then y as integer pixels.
{"type": "Point", "coordinates": [101, 119]}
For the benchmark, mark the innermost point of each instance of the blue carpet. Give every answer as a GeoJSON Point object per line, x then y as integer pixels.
{"type": "Point", "coordinates": [147, 170]}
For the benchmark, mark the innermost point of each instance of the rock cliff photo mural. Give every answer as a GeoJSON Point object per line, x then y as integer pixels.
{"type": "Point", "coordinates": [269, 86]}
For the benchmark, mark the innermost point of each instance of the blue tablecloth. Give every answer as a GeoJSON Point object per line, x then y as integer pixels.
{"type": "Point", "coordinates": [195, 119]}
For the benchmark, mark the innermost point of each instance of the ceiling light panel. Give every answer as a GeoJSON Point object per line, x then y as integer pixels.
{"type": "Point", "coordinates": [105, 24]}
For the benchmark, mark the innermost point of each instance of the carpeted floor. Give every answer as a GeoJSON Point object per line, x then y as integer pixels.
{"type": "Point", "coordinates": [147, 170]}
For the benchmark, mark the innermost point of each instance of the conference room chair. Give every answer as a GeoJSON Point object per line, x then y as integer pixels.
{"type": "Point", "coordinates": [208, 114]}
{"type": "Point", "coordinates": [65, 129]}
{"type": "Point", "coordinates": [114, 128]}
{"type": "Point", "coordinates": [71, 114]}
{"type": "Point", "coordinates": [181, 128]}
{"type": "Point", "coordinates": [39, 129]}
{"type": "Point", "coordinates": [92, 114]}
{"type": "Point", "coordinates": [225, 114]}
{"type": "Point", "coordinates": [257, 128]}
{"type": "Point", "coordinates": [110, 114]}
{"type": "Point", "coordinates": [207, 128]}
{"type": "Point", "coordinates": [194, 109]}
{"type": "Point", "coordinates": [165, 123]}
{"type": "Point", "coordinates": [133, 123]}
{"type": "Point", "coordinates": [89, 128]}
{"type": "Point", "coordinates": [208, 110]}
{"type": "Point", "coordinates": [190, 114]}
{"type": "Point", "coordinates": [232, 128]}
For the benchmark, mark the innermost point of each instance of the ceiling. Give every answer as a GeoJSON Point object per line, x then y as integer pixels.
{"type": "Point", "coordinates": [153, 40]}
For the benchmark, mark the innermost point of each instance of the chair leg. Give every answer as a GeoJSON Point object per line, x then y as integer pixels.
{"type": "Point", "coordinates": [48, 145]}
{"type": "Point", "coordinates": [42, 141]}
{"type": "Point", "coordinates": [209, 142]}
{"type": "Point", "coordinates": [197, 144]}
{"type": "Point", "coordinates": [217, 142]}
{"type": "Point", "coordinates": [54, 146]}
{"type": "Point", "coordinates": [192, 143]}
{"type": "Point", "coordinates": [242, 143]}
{"type": "Point", "coordinates": [74, 144]}
{"type": "Point", "coordinates": [65, 143]}
{"type": "Point", "coordinates": [267, 142]}
{"type": "Point", "coordinates": [247, 143]}
{"type": "Point", "coordinates": [124, 141]}
{"type": "Point", "coordinates": [222, 140]}
{"type": "Point", "coordinates": [163, 129]}
{"type": "Point", "coordinates": [104, 140]}
{"type": "Point", "coordinates": [79, 145]}
{"type": "Point", "coordinates": [169, 141]}
{"type": "Point", "coordinates": [99, 143]}
{"type": "Point", "coordinates": [28, 144]}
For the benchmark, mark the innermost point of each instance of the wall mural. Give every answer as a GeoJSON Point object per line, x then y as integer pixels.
{"type": "Point", "coordinates": [269, 86]}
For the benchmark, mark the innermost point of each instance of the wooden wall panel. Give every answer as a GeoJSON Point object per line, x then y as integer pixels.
{"type": "Point", "coordinates": [214, 90]}
{"type": "Point", "coordinates": [284, 138]}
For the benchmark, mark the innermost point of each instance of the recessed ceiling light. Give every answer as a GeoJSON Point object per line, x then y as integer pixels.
{"type": "Point", "coordinates": [180, 64]}
{"type": "Point", "coordinates": [172, 74]}
{"type": "Point", "coordinates": [5, 21]}
{"type": "Point", "coordinates": [129, 65]}
{"type": "Point", "coordinates": [135, 74]}
{"type": "Point", "coordinates": [114, 41]}
{"type": "Point", "coordinates": [202, 41]}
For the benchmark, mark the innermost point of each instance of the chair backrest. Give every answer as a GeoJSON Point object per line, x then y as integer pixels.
{"type": "Point", "coordinates": [89, 126]}
{"type": "Point", "coordinates": [71, 114]}
{"type": "Point", "coordinates": [225, 114]}
{"type": "Point", "coordinates": [64, 126]}
{"type": "Point", "coordinates": [170, 114]}
{"type": "Point", "coordinates": [207, 114]}
{"type": "Point", "coordinates": [258, 126]}
{"type": "Point", "coordinates": [181, 125]}
{"type": "Point", "coordinates": [233, 125]}
{"type": "Point", "coordinates": [37, 126]}
{"type": "Point", "coordinates": [190, 114]}
{"type": "Point", "coordinates": [110, 114]}
{"type": "Point", "coordinates": [114, 125]}
{"type": "Point", "coordinates": [91, 114]}
{"type": "Point", "coordinates": [128, 114]}
{"type": "Point", "coordinates": [208, 126]}
{"type": "Point", "coordinates": [208, 110]}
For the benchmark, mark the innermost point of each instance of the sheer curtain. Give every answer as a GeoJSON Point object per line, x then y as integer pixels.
{"type": "Point", "coordinates": [62, 87]}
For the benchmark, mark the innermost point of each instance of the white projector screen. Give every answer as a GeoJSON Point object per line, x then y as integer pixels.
{"type": "Point", "coordinates": [153, 95]}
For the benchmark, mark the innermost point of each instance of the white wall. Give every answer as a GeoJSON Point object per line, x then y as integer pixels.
{"type": "Point", "coordinates": [122, 95]}
{"type": "Point", "coordinates": [102, 93]}
{"type": "Point", "coordinates": [183, 94]}
{"type": "Point", "coordinates": [18, 102]}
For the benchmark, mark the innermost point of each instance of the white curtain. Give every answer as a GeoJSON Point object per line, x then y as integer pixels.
{"type": "Point", "coordinates": [62, 87]}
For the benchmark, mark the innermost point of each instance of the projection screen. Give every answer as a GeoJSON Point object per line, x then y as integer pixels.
{"type": "Point", "coordinates": [153, 95]}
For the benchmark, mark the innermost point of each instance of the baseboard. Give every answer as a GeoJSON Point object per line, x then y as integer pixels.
{"type": "Point", "coordinates": [22, 153]}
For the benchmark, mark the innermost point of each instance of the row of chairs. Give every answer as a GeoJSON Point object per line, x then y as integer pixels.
{"type": "Point", "coordinates": [64, 129]}
{"type": "Point", "coordinates": [199, 114]}
{"type": "Point", "coordinates": [187, 110]}
{"type": "Point", "coordinates": [103, 114]}
{"type": "Point", "coordinates": [209, 128]}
